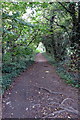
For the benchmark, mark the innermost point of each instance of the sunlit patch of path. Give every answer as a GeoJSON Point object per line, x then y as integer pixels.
{"type": "Point", "coordinates": [40, 58]}
{"type": "Point", "coordinates": [40, 93]}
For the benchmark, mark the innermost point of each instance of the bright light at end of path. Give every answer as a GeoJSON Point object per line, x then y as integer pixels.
{"type": "Point", "coordinates": [41, 48]}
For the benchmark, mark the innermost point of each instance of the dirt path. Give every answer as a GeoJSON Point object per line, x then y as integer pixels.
{"type": "Point", "coordinates": [40, 93]}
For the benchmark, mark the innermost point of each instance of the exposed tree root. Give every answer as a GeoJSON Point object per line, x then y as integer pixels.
{"type": "Point", "coordinates": [70, 109]}
{"type": "Point", "coordinates": [64, 109]}
{"type": "Point", "coordinates": [47, 90]}
{"type": "Point", "coordinates": [66, 100]}
{"type": "Point", "coordinates": [54, 113]}
{"type": "Point", "coordinates": [53, 103]}
{"type": "Point", "coordinates": [61, 105]}
{"type": "Point", "coordinates": [67, 108]}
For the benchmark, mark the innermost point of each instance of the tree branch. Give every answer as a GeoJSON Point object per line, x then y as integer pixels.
{"type": "Point", "coordinates": [65, 8]}
{"type": "Point", "coordinates": [47, 18]}
{"type": "Point", "coordinates": [30, 42]}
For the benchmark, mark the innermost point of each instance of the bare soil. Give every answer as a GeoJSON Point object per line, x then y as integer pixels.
{"type": "Point", "coordinates": [40, 93]}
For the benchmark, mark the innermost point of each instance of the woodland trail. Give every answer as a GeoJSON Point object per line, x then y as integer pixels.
{"type": "Point", "coordinates": [39, 93]}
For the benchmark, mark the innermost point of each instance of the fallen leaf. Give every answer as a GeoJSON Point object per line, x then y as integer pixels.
{"type": "Point", "coordinates": [46, 71]}
{"type": "Point", "coordinates": [33, 106]}
{"type": "Point", "coordinates": [11, 113]}
{"type": "Point", "coordinates": [69, 117]}
{"type": "Point", "coordinates": [8, 103]}
{"type": "Point", "coordinates": [26, 109]}
{"type": "Point", "coordinates": [42, 77]}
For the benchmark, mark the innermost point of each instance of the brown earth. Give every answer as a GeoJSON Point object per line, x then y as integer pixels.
{"type": "Point", "coordinates": [40, 93]}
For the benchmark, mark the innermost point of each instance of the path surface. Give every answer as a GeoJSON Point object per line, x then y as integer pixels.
{"type": "Point", "coordinates": [40, 93]}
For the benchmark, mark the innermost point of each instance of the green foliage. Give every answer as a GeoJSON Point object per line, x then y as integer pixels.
{"type": "Point", "coordinates": [63, 73]}
{"type": "Point", "coordinates": [50, 58]}
{"type": "Point", "coordinates": [11, 70]}
{"type": "Point", "coordinates": [17, 54]}
{"type": "Point", "coordinates": [26, 24]}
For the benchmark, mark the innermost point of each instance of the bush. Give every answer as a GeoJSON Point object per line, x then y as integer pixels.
{"type": "Point", "coordinates": [63, 73]}
{"type": "Point", "coordinates": [13, 69]}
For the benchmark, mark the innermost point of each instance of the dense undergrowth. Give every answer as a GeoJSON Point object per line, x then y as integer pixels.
{"type": "Point", "coordinates": [69, 77]}
{"type": "Point", "coordinates": [11, 70]}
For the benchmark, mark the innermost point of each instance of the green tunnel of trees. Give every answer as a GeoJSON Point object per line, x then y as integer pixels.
{"type": "Point", "coordinates": [26, 24]}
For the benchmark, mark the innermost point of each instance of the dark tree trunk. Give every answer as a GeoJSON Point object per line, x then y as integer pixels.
{"type": "Point", "coordinates": [74, 23]}
{"type": "Point", "coordinates": [52, 38]}
{"type": "Point", "coordinates": [75, 34]}
{"type": "Point", "coordinates": [78, 21]}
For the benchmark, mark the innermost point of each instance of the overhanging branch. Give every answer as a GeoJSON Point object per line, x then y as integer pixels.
{"type": "Point", "coordinates": [65, 8]}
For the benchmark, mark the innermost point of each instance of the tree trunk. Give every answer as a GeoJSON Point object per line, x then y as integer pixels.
{"type": "Point", "coordinates": [74, 23]}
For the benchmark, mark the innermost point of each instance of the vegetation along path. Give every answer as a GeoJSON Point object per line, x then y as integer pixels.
{"type": "Point", "coordinates": [39, 93]}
